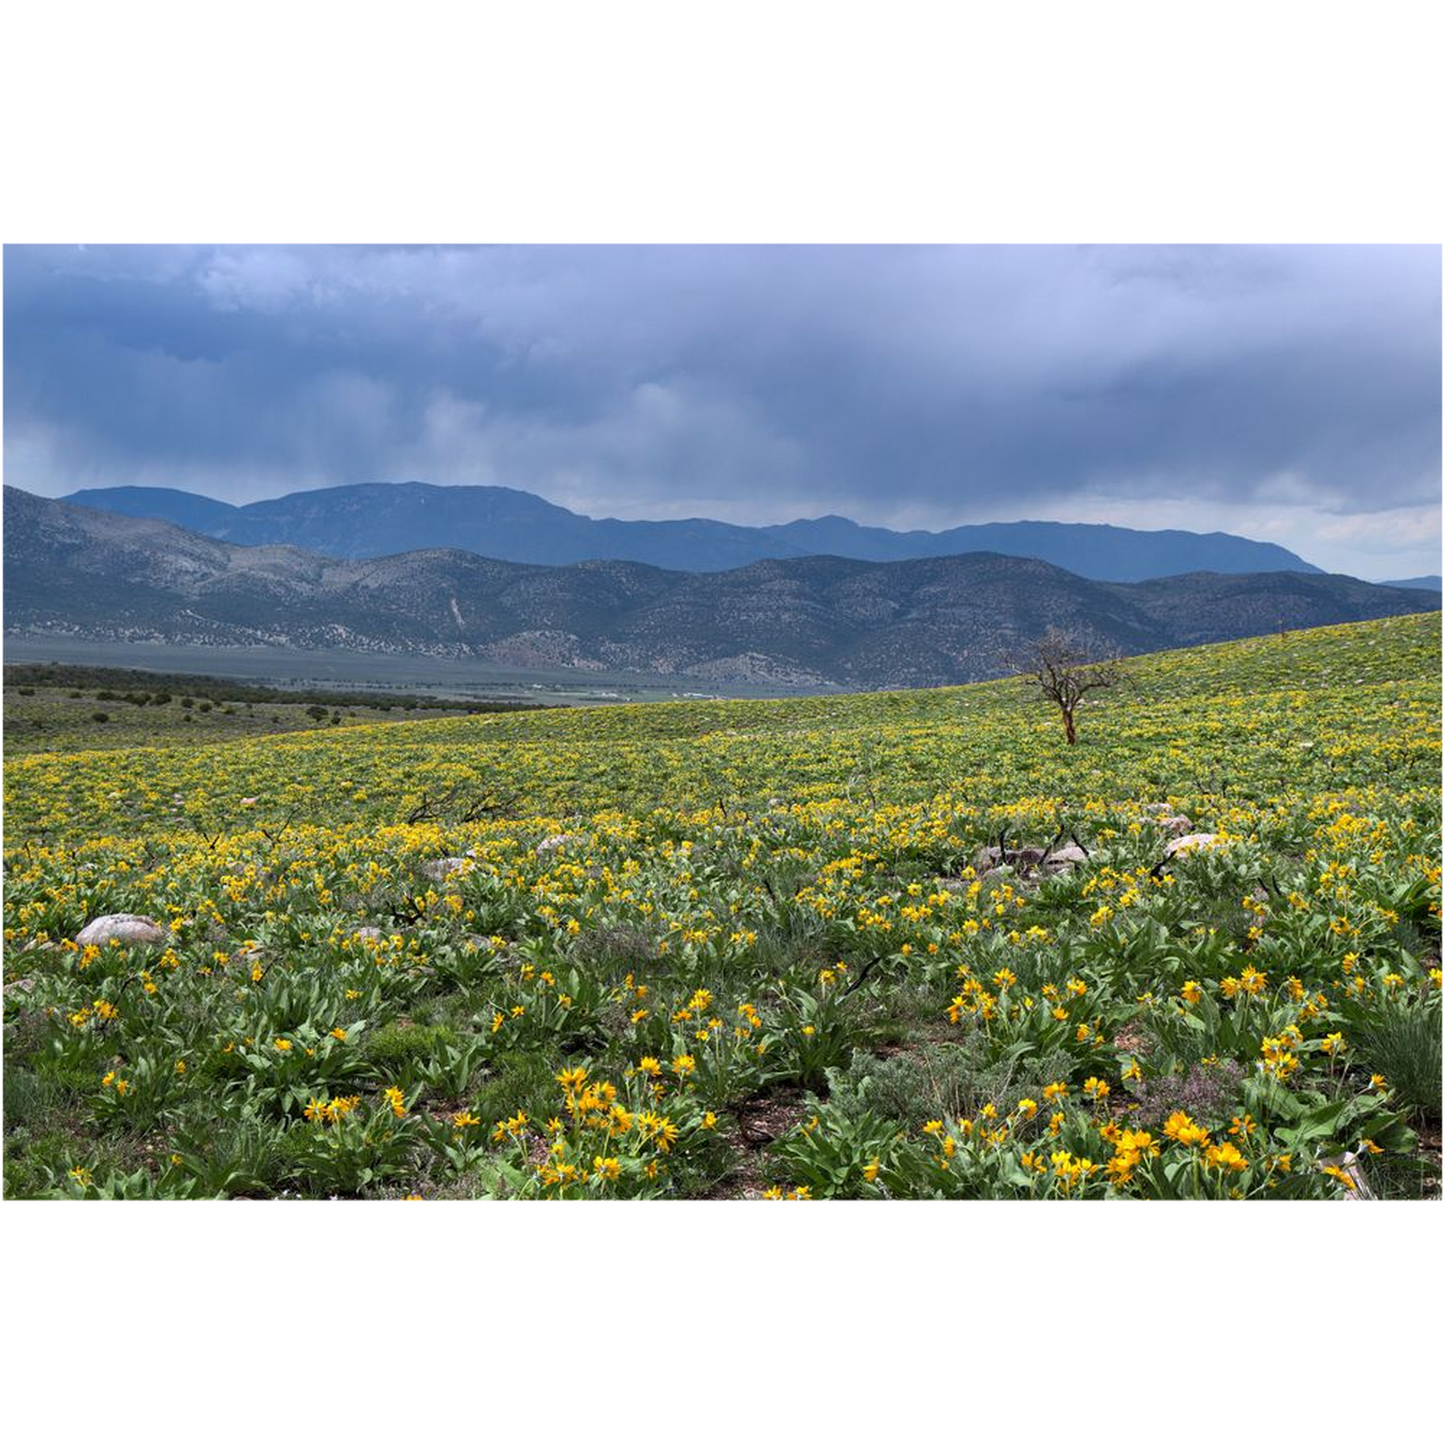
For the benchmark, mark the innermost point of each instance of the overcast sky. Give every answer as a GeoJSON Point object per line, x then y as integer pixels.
{"type": "Point", "coordinates": [1289, 394]}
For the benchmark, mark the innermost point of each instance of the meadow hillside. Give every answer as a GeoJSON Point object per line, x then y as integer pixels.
{"type": "Point", "coordinates": [899, 944]}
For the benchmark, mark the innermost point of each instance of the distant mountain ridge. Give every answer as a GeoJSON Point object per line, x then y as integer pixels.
{"type": "Point", "coordinates": [1427, 584]}
{"type": "Point", "coordinates": [80, 573]}
{"type": "Point", "coordinates": [383, 518]}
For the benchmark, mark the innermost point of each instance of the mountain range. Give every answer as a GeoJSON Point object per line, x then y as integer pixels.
{"type": "Point", "coordinates": [1428, 584]}
{"type": "Point", "coordinates": [381, 519]}
{"type": "Point", "coordinates": [77, 572]}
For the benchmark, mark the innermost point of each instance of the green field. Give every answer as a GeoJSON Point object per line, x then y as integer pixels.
{"type": "Point", "coordinates": [731, 949]}
{"type": "Point", "coordinates": [64, 708]}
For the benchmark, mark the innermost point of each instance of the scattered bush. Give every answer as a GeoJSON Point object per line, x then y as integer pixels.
{"type": "Point", "coordinates": [1403, 1044]}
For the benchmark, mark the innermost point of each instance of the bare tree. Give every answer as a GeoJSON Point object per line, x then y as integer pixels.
{"type": "Point", "coordinates": [461, 803]}
{"type": "Point", "coordinates": [1060, 665]}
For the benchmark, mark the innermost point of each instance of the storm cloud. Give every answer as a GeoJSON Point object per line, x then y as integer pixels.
{"type": "Point", "coordinates": [1286, 393]}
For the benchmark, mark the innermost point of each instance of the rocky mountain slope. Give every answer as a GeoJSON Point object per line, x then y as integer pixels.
{"type": "Point", "coordinates": [77, 572]}
{"type": "Point", "coordinates": [381, 519]}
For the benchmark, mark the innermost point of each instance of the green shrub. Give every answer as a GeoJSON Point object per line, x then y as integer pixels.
{"type": "Point", "coordinates": [1403, 1044]}
{"type": "Point", "coordinates": [230, 1159]}
{"type": "Point", "coordinates": [940, 1081]}
{"type": "Point", "coordinates": [29, 1097]}
{"type": "Point", "coordinates": [830, 1151]}
{"type": "Point", "coordinates": [517, 1083]}
{"type": "Point", "coordinates": [398, 1045]}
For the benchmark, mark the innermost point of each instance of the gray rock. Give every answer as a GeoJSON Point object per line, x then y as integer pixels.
{"type": "Point", "coordinates": [132, 929]}
{"type": "Point", "coordinates": [368, 930]}
{"type": "Point", "coordinates": [555, 841]}
{"type": "Point", "coordinates": [1189, 842]}
{"type": "Point", "coordinates": [1351, 1164]}
{"type": "Point", "coordinates": [439, 868]}
{"type": "Point", "coordinates": [1161, 815]}
{"type": "Point", "coordinates": [992, 857]}
{"type": "Point", "coordinates": [1028, 858]}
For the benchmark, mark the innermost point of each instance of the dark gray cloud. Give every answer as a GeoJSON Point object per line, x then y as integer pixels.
{"type": "Point", "coordinates": [1288, 393]}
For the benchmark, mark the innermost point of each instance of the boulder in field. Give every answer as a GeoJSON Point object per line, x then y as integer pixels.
{"type": "Point", "coordinates": [1029, 859]}
{"type": "Point", "coordinates": [439, 868]}
{"type": "Point", "coordinates": [993, 857]}
{"type": "Point", "coordinates": [1190, 842]}
{"type": "Point", "coordinates": [1161, 815]}
{"type": "Point", "coordinates": [134, 930]}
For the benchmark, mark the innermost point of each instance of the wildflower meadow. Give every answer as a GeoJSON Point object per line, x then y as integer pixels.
{"type": "Point", "coordinates": [894, 946]}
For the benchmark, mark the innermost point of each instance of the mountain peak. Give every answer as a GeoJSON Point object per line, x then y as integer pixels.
{"type": "Point", "coordinates": [372, 519]}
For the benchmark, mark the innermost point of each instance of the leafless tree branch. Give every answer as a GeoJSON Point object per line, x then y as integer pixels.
{"type": "Point", "coordinates": [1063, 668]}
